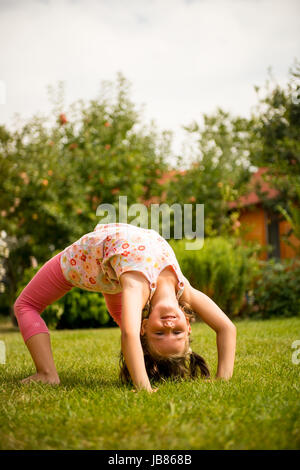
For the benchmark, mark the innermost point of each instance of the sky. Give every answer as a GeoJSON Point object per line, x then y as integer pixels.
{"type": "Point", "coordinates": [182, 58]}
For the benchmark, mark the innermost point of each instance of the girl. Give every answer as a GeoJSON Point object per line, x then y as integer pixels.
{"type": "Point", "coordinates": [147, 295]}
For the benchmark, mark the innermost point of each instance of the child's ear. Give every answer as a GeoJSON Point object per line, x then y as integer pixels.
{"type": "Point", "coordinates": [188, 324]}
{"type": "Point", "coordinates": [144, 322]}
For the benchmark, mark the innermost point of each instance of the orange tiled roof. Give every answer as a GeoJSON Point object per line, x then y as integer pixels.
{"type": "Point", "coordinates": [169, 175]}
{"type": "Point", "coordinates": [252, 198]}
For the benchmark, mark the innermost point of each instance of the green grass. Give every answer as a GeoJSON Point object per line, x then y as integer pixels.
{"type": "Point", "coordinates": [257, 409]}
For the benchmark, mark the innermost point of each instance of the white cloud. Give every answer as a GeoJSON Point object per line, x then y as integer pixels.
{"type": "Point", "coordinates": [183, 58]}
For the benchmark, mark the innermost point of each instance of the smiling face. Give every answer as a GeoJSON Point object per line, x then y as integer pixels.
{"type": "Point", "coordinates": [167, 330]}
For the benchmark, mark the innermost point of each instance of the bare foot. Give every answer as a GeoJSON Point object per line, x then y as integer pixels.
{"type": "Point", "coordinates": [51, 379]}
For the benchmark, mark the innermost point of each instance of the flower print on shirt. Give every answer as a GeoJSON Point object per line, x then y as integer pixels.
{"type": "Point", "coordinates": [96, 261]}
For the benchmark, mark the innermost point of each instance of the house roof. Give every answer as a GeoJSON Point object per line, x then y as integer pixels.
{"type": "Point", "coordinates": [170, 175]}
{"type": "Point", "coordinates": [257, 184]}
{"type": "Point", "coordinates": [165, 177]}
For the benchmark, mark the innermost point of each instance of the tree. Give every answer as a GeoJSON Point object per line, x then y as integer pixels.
{"type": "Point", "coordinates": [277, 136]}
{"type": "Point", "coordinates": [55, 174]}
{"type": "Point", "coordinates": [218, 170]}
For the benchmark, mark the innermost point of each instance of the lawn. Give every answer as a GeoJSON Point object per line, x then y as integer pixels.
{"type": "Point", "coordinates": [257, 409]}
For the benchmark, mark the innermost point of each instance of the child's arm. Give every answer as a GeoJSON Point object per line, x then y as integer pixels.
{"type": "Point", "coordinates": [211, 314]}
{"type": "Point", "coordinates": [134, 297]}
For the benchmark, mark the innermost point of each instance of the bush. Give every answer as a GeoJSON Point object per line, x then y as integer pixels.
{"type": "Point", "coordinates": [223, 269]}
{"type": "Point", "coordinates": [83, 309]}
{"type": "Point", "coordinates": [277, 291]}
{"type": "Point", "coordinates": [77, 309]}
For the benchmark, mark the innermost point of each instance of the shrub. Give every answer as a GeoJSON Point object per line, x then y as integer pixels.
{"type": "Point", "coordinates": [83, 309]}
{"type": "Point", "coordinates": [277, 291]}
{"type": "Point", "coordinates": [223, 269]}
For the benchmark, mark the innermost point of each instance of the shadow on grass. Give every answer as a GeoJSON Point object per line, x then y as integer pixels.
{"type": "Point", "coordinates": [7, 325]}
{"type": "Point", "coordinates": [9, 329]}
{"type": "Point", "coordinates": [92, 378]}
{"type": "Point", "coordinates": [69, 380]}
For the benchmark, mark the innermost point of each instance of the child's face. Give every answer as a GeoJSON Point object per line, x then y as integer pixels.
{"type": "Point", "coordinates": [167, 330]}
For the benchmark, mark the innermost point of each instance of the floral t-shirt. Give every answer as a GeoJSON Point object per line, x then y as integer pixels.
{"type": "Point", "coordinates": [96, 261]}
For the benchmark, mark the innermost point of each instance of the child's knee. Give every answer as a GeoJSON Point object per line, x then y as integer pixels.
{"type": "Point", "coordinates": [28, 318]}
{"type": "Point", "coordinates": [17, 308]}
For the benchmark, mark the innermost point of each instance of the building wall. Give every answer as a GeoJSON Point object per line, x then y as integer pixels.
{"type": "Point", "coordinates": [254, 227]}
{"type": "Point", "coordinates": [287, 251]}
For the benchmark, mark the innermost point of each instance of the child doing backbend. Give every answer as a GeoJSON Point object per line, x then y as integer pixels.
{"type": "Point", "coordinates": [146, 294]}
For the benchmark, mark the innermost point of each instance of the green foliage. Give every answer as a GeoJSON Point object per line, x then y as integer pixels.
{"type": "Point", "coordinates": [77, 309]}
{"type": "Point", "coordinates": [277, 143]}
{"type": "Point", "coordinates": [277, 132]}
{"type": "Point", "coordinates": [218, 169]}
{"type": "Point", "coordinates": [277, 290]}
{"type": "Point", "coordinates": [56, 170]}
{"type": "Point", "coordinates": [4, 254]}
{"type": "Point", "coordinates": [222, 269]}
{"type": "Point", "coordinates": [83, 309]}
{"type": "Point", "coordinates": [292, 215]}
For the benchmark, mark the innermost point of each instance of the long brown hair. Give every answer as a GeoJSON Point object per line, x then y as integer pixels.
{"type": "Point", "coordinates": [158, 367]}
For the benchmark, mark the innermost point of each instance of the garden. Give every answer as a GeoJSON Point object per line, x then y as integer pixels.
{"type": "Point", "coordinates": [54, 173]}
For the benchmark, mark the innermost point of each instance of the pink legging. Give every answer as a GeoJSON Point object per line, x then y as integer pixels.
{"type": "Point", "coordinates": [47, 286]}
